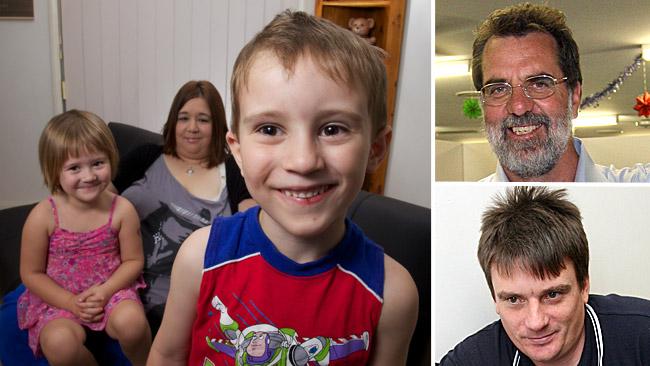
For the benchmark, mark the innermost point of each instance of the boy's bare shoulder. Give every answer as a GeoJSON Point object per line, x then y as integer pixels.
{"type": "Point", "coordinates": [188, 264]}
{"type": "Point", "coordinates": [398, 316]}
{"type": "Point", "coordinates": [194, 246]}
{"type": "Point", "coordinates": [202, 233]}
{"type": "Point", "coordinates": [398, 281]}
{"type": "Point", "coordinates": [400, 295]}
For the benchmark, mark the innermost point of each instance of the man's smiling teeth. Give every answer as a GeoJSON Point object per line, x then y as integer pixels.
{"type": "Point", "coordinates": [522, 130]}
{"type": "Point", "coordinates": [304, 194]}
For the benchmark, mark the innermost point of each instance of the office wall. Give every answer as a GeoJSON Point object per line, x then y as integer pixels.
{"type": "Point", "coordinates": [479, 161]}
{"type": "Point", "coordinates": [449, 161]}
{"type": "Point", "coordinates": [615, 221]}
{"type": "Point", "coordinates": [620, 150]}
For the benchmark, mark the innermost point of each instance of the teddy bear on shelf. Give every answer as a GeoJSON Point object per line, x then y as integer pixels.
{"type": "Point", "coordinates": [362, 27]}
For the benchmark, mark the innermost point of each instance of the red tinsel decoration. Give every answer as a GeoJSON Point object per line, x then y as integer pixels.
{"type": "Point", "coordinates": [643, 104]}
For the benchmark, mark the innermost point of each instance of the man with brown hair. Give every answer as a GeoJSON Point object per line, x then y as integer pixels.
{"type": "Point", "coordinates": [535, 257]}
{"type": "Point", "coordinates": [526, 65]}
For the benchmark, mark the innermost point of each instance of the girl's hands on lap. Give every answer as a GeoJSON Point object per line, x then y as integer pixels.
{"type": "Point", "coordinates": [86, 311]}
{"type": "Point", "coordinates": [90, 304]}
{"type": "Point", "coordinates": [96, 294]}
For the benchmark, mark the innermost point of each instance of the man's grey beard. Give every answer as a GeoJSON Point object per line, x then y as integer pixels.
{"type": "Point", "coordinates": [535, 157]}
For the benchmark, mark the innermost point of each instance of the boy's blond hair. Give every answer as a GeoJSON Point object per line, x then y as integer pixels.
{"type": "Point", "coordinates": [70, 134]}
{"type": "Point", "coordinates": [341, 54]}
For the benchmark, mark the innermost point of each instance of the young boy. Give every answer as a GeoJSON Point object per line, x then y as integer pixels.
{"type": "Point", "coordinates": [292, 282]}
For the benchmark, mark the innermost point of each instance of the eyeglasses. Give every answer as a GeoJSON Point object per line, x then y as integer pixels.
{"type": "Point", "coordinates": [535, 87]}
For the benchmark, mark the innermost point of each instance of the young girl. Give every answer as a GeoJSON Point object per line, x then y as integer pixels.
{"type": "Point", "coordinates": [81, 253]}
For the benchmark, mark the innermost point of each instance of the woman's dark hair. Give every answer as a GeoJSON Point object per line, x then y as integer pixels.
{"type": "Point", "coordinates": [199, 89]}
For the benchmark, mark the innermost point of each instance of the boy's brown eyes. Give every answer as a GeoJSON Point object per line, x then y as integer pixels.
{"type": "Point", "coordinates": [328, 130]}
{"type": "Point", "coordinates": [332, 130]}
{"type": "Point", "coordinates": [268, 130]}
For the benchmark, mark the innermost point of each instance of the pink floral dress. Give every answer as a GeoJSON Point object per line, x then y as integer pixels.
{"type": "Point", "coordinates": [76, 261]}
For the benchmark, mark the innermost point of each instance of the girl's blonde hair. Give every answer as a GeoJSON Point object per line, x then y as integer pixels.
{"type": "Point", "coordinates": [70, 134]}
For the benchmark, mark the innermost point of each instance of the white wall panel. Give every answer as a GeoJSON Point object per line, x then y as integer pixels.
{"type": "Point", "coordinates": [235, 39]}
{"type": "Point", "coordinates": [182, 41]}
{"type": "Point", "coordinates": [146, 49]}
{"type": "Point", "coordinates": [271, 8]}
{"type": "Point", "coordinates": [200, 66]}
{"type": "Point", "coordinates": [125, 60]}
{"type": "Point", "coordinates": [92, 39]}
{"type": "Point", "coordinates": [219, 25]}
{"type": "Point", "coordinates": [165, 84]}
{"type": "Point", "coordinates": [110, 59]}
{"type": "Point", "coordinates": [128, 72]}
{"type": "Point", "coordinates": [254, 18]}
{"type": "Point", "coordinates": [72, 31]}
{"type": "Point", "coordinates": [295, 5]}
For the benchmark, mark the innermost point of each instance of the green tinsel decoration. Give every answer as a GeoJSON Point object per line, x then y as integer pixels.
{"type": "Point", "coordinates": [471, 108]}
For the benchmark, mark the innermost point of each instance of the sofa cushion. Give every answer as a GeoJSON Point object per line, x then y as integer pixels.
{"type": "Point", "coordinates": [129, 137]}
{"type": "Point", "coordinates": [11, 229]}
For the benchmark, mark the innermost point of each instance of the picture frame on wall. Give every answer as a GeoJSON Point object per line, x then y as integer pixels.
{"type": "Point", "coordinates": [16, 9]}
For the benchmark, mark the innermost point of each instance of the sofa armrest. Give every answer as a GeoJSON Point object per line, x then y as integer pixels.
{"type": "Point", "coordinates": [11, 230]}
{"type": "Point", "coordinates": [404, 231]}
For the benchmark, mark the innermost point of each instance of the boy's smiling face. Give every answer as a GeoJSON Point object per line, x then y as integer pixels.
{"type": "Point", "coordinates": [304, 145]}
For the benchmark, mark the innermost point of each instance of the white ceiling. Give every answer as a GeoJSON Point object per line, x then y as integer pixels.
{"type": "Point", "coordinates": [609, 35]}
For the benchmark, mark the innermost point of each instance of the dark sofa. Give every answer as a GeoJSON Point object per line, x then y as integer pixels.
{"type": "Point", "coordinates": [403, 229]}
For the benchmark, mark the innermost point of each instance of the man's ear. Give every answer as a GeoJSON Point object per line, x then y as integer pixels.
{"type": "Point", "coordinates": [577, 97]}
{"type": "Point", "coordinates": [585, 291]}
{"type": "Point", "coordinates": [379, 148]}
{"type": "Point", "coordinates": [233, 143]}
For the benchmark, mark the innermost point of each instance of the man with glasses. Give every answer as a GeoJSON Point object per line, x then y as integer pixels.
{"type": "Point", "coordinates": [525, 63]}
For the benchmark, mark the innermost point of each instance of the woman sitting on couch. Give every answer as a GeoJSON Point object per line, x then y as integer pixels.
{"type": "Point", "coordinates": [194, 180]}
